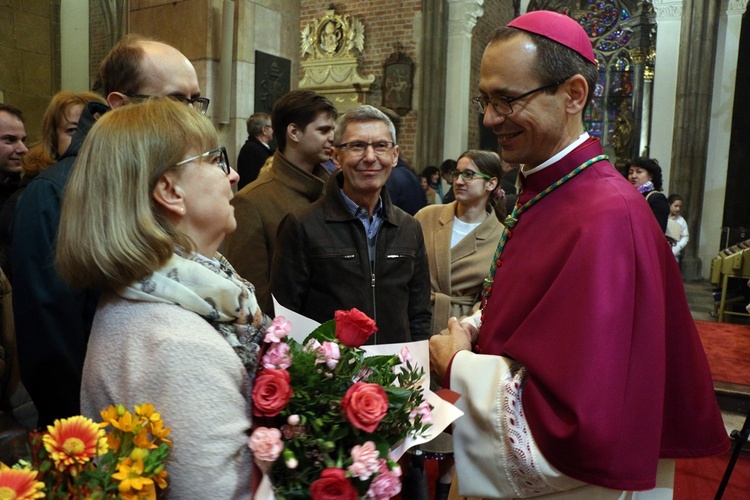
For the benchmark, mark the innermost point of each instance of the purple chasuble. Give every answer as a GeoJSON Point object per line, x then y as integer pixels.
{"type": "Point", "coordinates": [590, 300]}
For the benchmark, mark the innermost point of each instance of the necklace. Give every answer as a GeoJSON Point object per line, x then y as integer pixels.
{"type": "Point", "coordinates": [512, 220]}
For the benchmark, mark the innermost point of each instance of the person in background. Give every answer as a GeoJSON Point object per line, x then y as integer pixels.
{"type": "Point", "coordinates": [59, 124]}
{"type": "Point", "coordinates": [303, 123]}
{"type": "Point", "coordinates": [680, 238]}
{"type": "Point", "coordinates": [403, 185]}
{"type": "Point", "coordinates": [645, 174]}
{"type": "Point", "coordinates": [433, 180]}
{"type": "Point", "coordinates": [176, 327]}
{"type": "Point", "coordinates": [12, 149]}
{"type": "Point", "coordinates": [576, 299]}
{"type": "Point", "coordinates": [257, 148]}
{"type": "Point", "coordinates": [353, 247]}
{"type": "Point", "coordinates": [461, 238]}
{"type": "Point", "coordinates": [430, 194]}
{"type": "Point", "coordinates": [446, 172]}
{"type": "Point", "coordinates": [53, 320]}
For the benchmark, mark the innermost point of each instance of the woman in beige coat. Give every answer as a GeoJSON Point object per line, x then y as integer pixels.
{"type": "Point", "coordinates": [461, 237]}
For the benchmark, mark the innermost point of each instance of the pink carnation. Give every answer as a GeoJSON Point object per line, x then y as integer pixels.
{"type": "Point", "coordinates": [387, 484]}
{"type": "Point", "coordinates": [422, 410]}
{"type": "Point", "coordinates": [366, 461]}
{"type": "Point", "coordinates": [329, 353]}
{"type": "Point", "coordinates": [405, 355]}
{"type": "Point", "coordinates": [266, 444]}
{"type": "Point", "coordinates": [277, 357]}
{"type": "Point", "coordinates": [312, 346]}
{"type": "Point", "coordinates": [278, 330]}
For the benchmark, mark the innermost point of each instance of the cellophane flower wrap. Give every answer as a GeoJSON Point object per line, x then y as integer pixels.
{"type": "Point", "coordinates": [326, 415]}
{"type": "Point", "coordinates": [122, 457]}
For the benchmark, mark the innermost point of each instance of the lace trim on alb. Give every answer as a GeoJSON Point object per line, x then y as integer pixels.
{"type": "Point", "coordinates": [521, 468]}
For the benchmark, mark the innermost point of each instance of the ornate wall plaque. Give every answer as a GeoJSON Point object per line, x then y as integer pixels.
{"type": "Point", "coordinates": [398, 78]}
{"type": "Point", "coordinates": [329, 51]}
{"type": "Point", "coordinates": [273, 77]}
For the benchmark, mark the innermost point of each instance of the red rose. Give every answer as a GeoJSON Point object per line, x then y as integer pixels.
{"type": "Point", "coordinates": [365, 405]}
{"type": "Point", "coordinates": [271, 393]}
{"type": "Point", "coordinates": [353, 327]}
{"type": "Point", "coordinates": [333, 485]}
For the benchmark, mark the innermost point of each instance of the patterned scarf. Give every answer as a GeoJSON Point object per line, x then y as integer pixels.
{"type": "Point", "coordinates": [212, 289]}
{"type": "Point", "coordinates": [646, 187]}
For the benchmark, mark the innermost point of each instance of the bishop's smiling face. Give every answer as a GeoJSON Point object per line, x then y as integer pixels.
{"type": "Point", "coordinates": [535, 130]}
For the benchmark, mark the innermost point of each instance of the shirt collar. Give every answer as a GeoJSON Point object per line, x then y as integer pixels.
{"type": "Point", "coordinates": [357, 211]}
{"type": "Point", "coordinates": [559, 156]}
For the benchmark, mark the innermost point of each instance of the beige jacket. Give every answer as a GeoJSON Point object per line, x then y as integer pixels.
{"type": "Point", "coordinates": [456, 275]}
{"type": "Point", "coordinates": [259, 208]}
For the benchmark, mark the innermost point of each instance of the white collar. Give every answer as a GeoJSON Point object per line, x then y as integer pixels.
{"type": "Point", "coordinates": [559, 156]}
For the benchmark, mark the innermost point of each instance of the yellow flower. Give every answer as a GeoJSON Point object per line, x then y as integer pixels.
{"type": "Point", "coordinates": [124, 423]}
{"type": "Point", "coordinates": [74, 441]}
{"type": "Point", "coordinates": [160, 432]}
{"type": "Point", "coordinates": [160, 478]}
{"type": "Point", "coordinates": [147, 493]}
{"type": "Point", "coordinates": [109, 415]}
{"type": "Point", "coordinates": [141, 440]}
{"type": "Point", "coordinates": [19, 484]}
{"type": "Point", "coordinates": [148, 412]}
{"type": "Point", "coordinates": [129, 473]}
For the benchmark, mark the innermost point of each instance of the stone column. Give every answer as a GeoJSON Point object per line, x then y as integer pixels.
{"type": "Point", "coordinates": [700, 22]}
{"type": "Point", "coordinates": [431, 84]}
{"type": "Point", "coordinates": [462, 17]}
{"type": "Point", "coordinates": [668, 26]}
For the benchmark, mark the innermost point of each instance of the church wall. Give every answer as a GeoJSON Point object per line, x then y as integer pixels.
{"type": "Point", "coordinates": [29, 37]}
{"type": "Point", "coordinates": [386, 22]}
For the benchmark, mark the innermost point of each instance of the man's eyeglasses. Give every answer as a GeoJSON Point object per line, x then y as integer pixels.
{"type": "Point", "coordinates": [358, 148]}
{"type": "Point", "coordinates": [467, 175]}
{"type": "Point", "coordinates": [218, 156]}
{"type": "Point", "coordinates": [502, 105]}
{"type": "Point", "coordinates": [197, 103]}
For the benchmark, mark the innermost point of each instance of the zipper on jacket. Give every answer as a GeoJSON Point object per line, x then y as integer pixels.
{"type": "Point", "coordinates": [374, 304]}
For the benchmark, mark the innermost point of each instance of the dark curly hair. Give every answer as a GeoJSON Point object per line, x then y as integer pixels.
{"type": "Point", "coordinates": [650, 165]}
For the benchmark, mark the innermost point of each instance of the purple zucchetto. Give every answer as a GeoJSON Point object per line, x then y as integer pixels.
{"type": "Point", "coordinates": [558, 28]}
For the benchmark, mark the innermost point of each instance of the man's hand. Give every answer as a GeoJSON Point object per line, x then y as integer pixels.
{"type": "Point", "coordinates": [445, 345]}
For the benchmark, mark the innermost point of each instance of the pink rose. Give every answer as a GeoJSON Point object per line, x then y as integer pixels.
{"type": "Point", "coordinates": [387, 484]}
{"type": "Point", "coordinates": [329, 353]}
{"type": "Point", "coordinates": [333, 485]}
{"type": "Point", "coordinates": [277, 357]}
{"type": "Point", "coordinates": [365, 405]}
{"type": "Point", "coordinates": [422, 410]}
{"type": "Point", "coordinates": [271, 393]}
{"type": "Point", "coordinates": [278, 329]}
{"type": "Point", "coordinates": [366, 461]}
{"type": "Point", "coordinates": [353, 327]}
{"type": "Point", "coordinates": [266, 444]}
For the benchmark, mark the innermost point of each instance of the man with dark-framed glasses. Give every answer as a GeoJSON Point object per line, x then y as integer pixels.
{"type": "Point", "coordinates": [53, 321]}
{"type": "Point", "coordinates": [353, 247]}
{"type": "Point", "coordinates": [583, 370]}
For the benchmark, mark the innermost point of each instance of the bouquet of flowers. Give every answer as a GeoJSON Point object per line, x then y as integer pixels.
{"type": "Point", "coordinates": [77, 458]}
{"type": "Point", "coordinates": [328, 414]}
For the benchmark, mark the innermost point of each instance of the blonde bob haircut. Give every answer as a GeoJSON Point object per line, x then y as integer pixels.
{"type": "Point", "coordinates": [112, 232]}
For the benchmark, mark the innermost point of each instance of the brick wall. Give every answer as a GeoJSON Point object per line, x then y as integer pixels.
{"type": "Point", "coordinates": [496, 13]}
{"type": "Point", "coordinates": [386, 22]}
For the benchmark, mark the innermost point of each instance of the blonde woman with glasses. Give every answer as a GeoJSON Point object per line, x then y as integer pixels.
{"type": "Point", "coordinates": [176, 326]}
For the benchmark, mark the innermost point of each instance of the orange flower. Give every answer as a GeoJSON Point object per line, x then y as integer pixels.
{"type": "Point", "coordinates": [147, 493]}
{"type": "Point", "coordinates": [160, 478]}
{"type": "Point", "coordinates": [130, 475]}
{"type": "Point", "coordinates": [148, 412]}
{"type": "Point", "coordinates": [19, 484]}
{"type": "Point", "coordinates": [160, 432]}
{"type": "Point", "coordinates": [74, 441]}
{"type": "Point", "coordinates": [141, 440]}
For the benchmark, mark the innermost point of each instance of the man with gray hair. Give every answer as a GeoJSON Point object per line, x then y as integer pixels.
{"type": "Point", "coordinates": [256, 150]}
{"type": "Point", "coordinates": [353, 247]}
